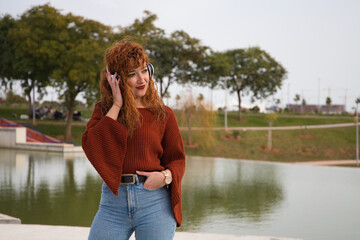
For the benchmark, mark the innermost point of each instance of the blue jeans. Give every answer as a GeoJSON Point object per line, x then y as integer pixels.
{"type": "Point", "coordinates": [147, 212]}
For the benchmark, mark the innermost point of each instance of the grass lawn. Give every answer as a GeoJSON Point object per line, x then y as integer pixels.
{"type": "Point", "coordinates": [259, 120]}
{"type": "Point", "coordinates": [58, 131]}
{"type": "Point", "coordinates": [288, 146]}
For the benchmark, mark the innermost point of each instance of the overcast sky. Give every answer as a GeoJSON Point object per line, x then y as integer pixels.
{"type": "Point", "coordinates": [317, 41]}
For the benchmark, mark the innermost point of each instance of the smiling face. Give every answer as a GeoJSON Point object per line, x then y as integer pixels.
{"type": "Point", "coordinates": [138, 81]}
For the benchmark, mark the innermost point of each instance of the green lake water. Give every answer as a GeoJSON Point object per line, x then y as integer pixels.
{"type": "Point", "coordinates": [218, 195]}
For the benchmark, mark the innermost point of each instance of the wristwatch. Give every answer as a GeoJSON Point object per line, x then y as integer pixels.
{"type": "Point", "coordinates": [167, 179]}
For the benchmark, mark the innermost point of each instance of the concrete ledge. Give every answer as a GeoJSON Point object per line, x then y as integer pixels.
{"type": "Point", "coordinates": [5, 219]}
{"type": "Point", "coordinates": [45, 232]}
{"type": "Point", "coordinates": [49, 147]}
{"type": "Point", "coordinates": [15, 138]}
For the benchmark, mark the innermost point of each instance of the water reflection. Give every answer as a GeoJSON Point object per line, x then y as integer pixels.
{"type": "Point", "coordinates": [219, 195]}
{"type": "Point", "coordinates": [42, 188]}
{"type": "Point", "coordinates": [50, 188]}
{"type": "Point", "coordinates": [218, 187]}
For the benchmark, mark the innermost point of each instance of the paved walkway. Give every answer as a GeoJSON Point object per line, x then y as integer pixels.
{"type": "Point", "coordinates": [46, 232]}
{"type": "Point", "coordinates": [336, 125]}
{"type": "Point", "coordinates": [328, 162]}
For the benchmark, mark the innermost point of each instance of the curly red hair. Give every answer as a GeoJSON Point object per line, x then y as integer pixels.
{"type": "Point", "coordinates": [123, 57]}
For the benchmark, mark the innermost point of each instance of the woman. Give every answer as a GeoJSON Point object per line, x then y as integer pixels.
{"type": "Point", "coordinates": [134, 143]}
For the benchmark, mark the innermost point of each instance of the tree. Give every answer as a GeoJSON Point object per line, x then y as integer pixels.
{"type": "Point", "coordinates": [12, 98]}
{"type": "Point", "coordinates": [6, 50]}
{"type": "Point", "coordinates": [277, 101]}
{"type": "Point", "coordinates": [142, 31]}
{"type": "Point", "coordinates": [176, 58]}
{"type": "Point", "coordinates": [357, 101]}
{"type": "Point", "coordinates": [177, 100]}
{"type": "Point", "coordinates": [254, 70]}
{"type": "Point", "coordinates": [161, 51]}
{"type": "Point", "coordinates": [303, 102]}
{"type": "Point", "coordinates": [79, 64]}
{"type": "Point", "coordinates": [36, 47]}
{"type": "Point", "coordinates": [194, 113]}
{"type": "Point", "coordinates": [200, 98]}
{"type": "Point", "coordinates": [167, 96]}
{"type": "Point", "coordinates": [271, 117]}
{"type": "Point", "coordinates": [189, 109]}
{"type": "Point", "coordinates": [159, 47]}
{"type": "Point", "coordinates": [215, 67]}
{"type": "Point", "coordinates": [297, 98]}
{"type": "Point", "coordinates": [328, 101]}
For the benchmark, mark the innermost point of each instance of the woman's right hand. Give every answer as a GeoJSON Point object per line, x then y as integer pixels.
{"type": "Point", "coordinates": [116, 92]}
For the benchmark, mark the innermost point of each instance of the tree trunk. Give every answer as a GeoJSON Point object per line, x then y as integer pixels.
{"type": "Point", "coordinates": [189, 129]}
{"type": "Point", "coordinates": [31, 110]}
{"type": "Point", "coordinates": [239, 104]}
{"type": "Point", "coordinates": [69, 118]}
{"type": "Point", "coordinates": [29, 103]}
{"type": "Point", "coordinates": [269, 143]}
{"type": "Point", "coordinates": [161, 87]}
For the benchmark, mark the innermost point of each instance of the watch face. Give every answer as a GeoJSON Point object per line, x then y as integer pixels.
{"type": "Point", "coordinates": [168, 180]}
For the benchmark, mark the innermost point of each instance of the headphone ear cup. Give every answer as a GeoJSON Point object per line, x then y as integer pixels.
{"type": "Point", "coordinates": [150, 68]}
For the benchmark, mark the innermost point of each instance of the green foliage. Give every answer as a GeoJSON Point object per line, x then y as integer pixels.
{"type": "Point", "coordinates": [167, 95]}
{"type": "Point", "coordinates": [215, 67]}
{"type": "Point", "coordinates": [176, 57]}
{"type": "Point", "coordinates": [200, 98]}
{"type": "Point", "coordinates": [357, 101]}
{"type": "Point", "coordinates": [47, 44]}
{"type": "Point", "coordinates": [36, 47]}
{"type": "Point", "coordinates": [12, 98]}
{"type": "Point", "coordinates": [196, 113]}
{"type": "Point", "coordinates": [297, 98]}
{"type": "Point", "coordinates": [253, 70]}
{"type": "Point", "coordinates": [79, 64]}
{"type": "Point", "coordinates": [6, 49]}
{"type": "Point", "coordinates": [255, 109]}
{"type": "Point", "coordinates": [235, 133]}
{"type": "Point", "coordinates": [328, 101]}
{"type": "Point", "coordinates": [271, 117]}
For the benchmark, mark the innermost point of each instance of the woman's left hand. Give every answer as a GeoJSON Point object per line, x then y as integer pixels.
{"type": "Point", "coordinates": [155, 180]}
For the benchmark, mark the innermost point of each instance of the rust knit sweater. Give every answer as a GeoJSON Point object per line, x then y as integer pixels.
{"type": "Point", "coordinates": [154, 146]}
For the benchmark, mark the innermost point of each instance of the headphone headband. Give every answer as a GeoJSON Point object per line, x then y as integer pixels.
{"type": "Point", "coordinates": [151, 69]}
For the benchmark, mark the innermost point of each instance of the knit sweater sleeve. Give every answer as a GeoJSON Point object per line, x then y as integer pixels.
{"type": "Point", "coordinates": [173, 158]}
{"type": "Point", "coordinates": [104, 143]}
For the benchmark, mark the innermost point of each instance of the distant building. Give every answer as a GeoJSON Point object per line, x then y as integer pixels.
{"type": "Point", "coordinates": [331, 109]}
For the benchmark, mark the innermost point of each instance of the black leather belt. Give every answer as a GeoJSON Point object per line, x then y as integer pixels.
{"type": "Point", "coordinates": [127, 179]}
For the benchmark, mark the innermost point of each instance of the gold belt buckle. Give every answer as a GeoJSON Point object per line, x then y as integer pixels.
{"type": "Point", "coordinates": [129, 175]}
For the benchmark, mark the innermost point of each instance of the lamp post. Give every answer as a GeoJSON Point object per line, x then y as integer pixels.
{"type": "Point", "coordinates": [33, 106]}
{"type": "Point", "coordinates": [225, 104]}
{"type": "Point", "coordinates": [357, 133]}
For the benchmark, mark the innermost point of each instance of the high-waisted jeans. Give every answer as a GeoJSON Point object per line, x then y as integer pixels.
{"type": "Point", "coordinates": [147, 212]}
